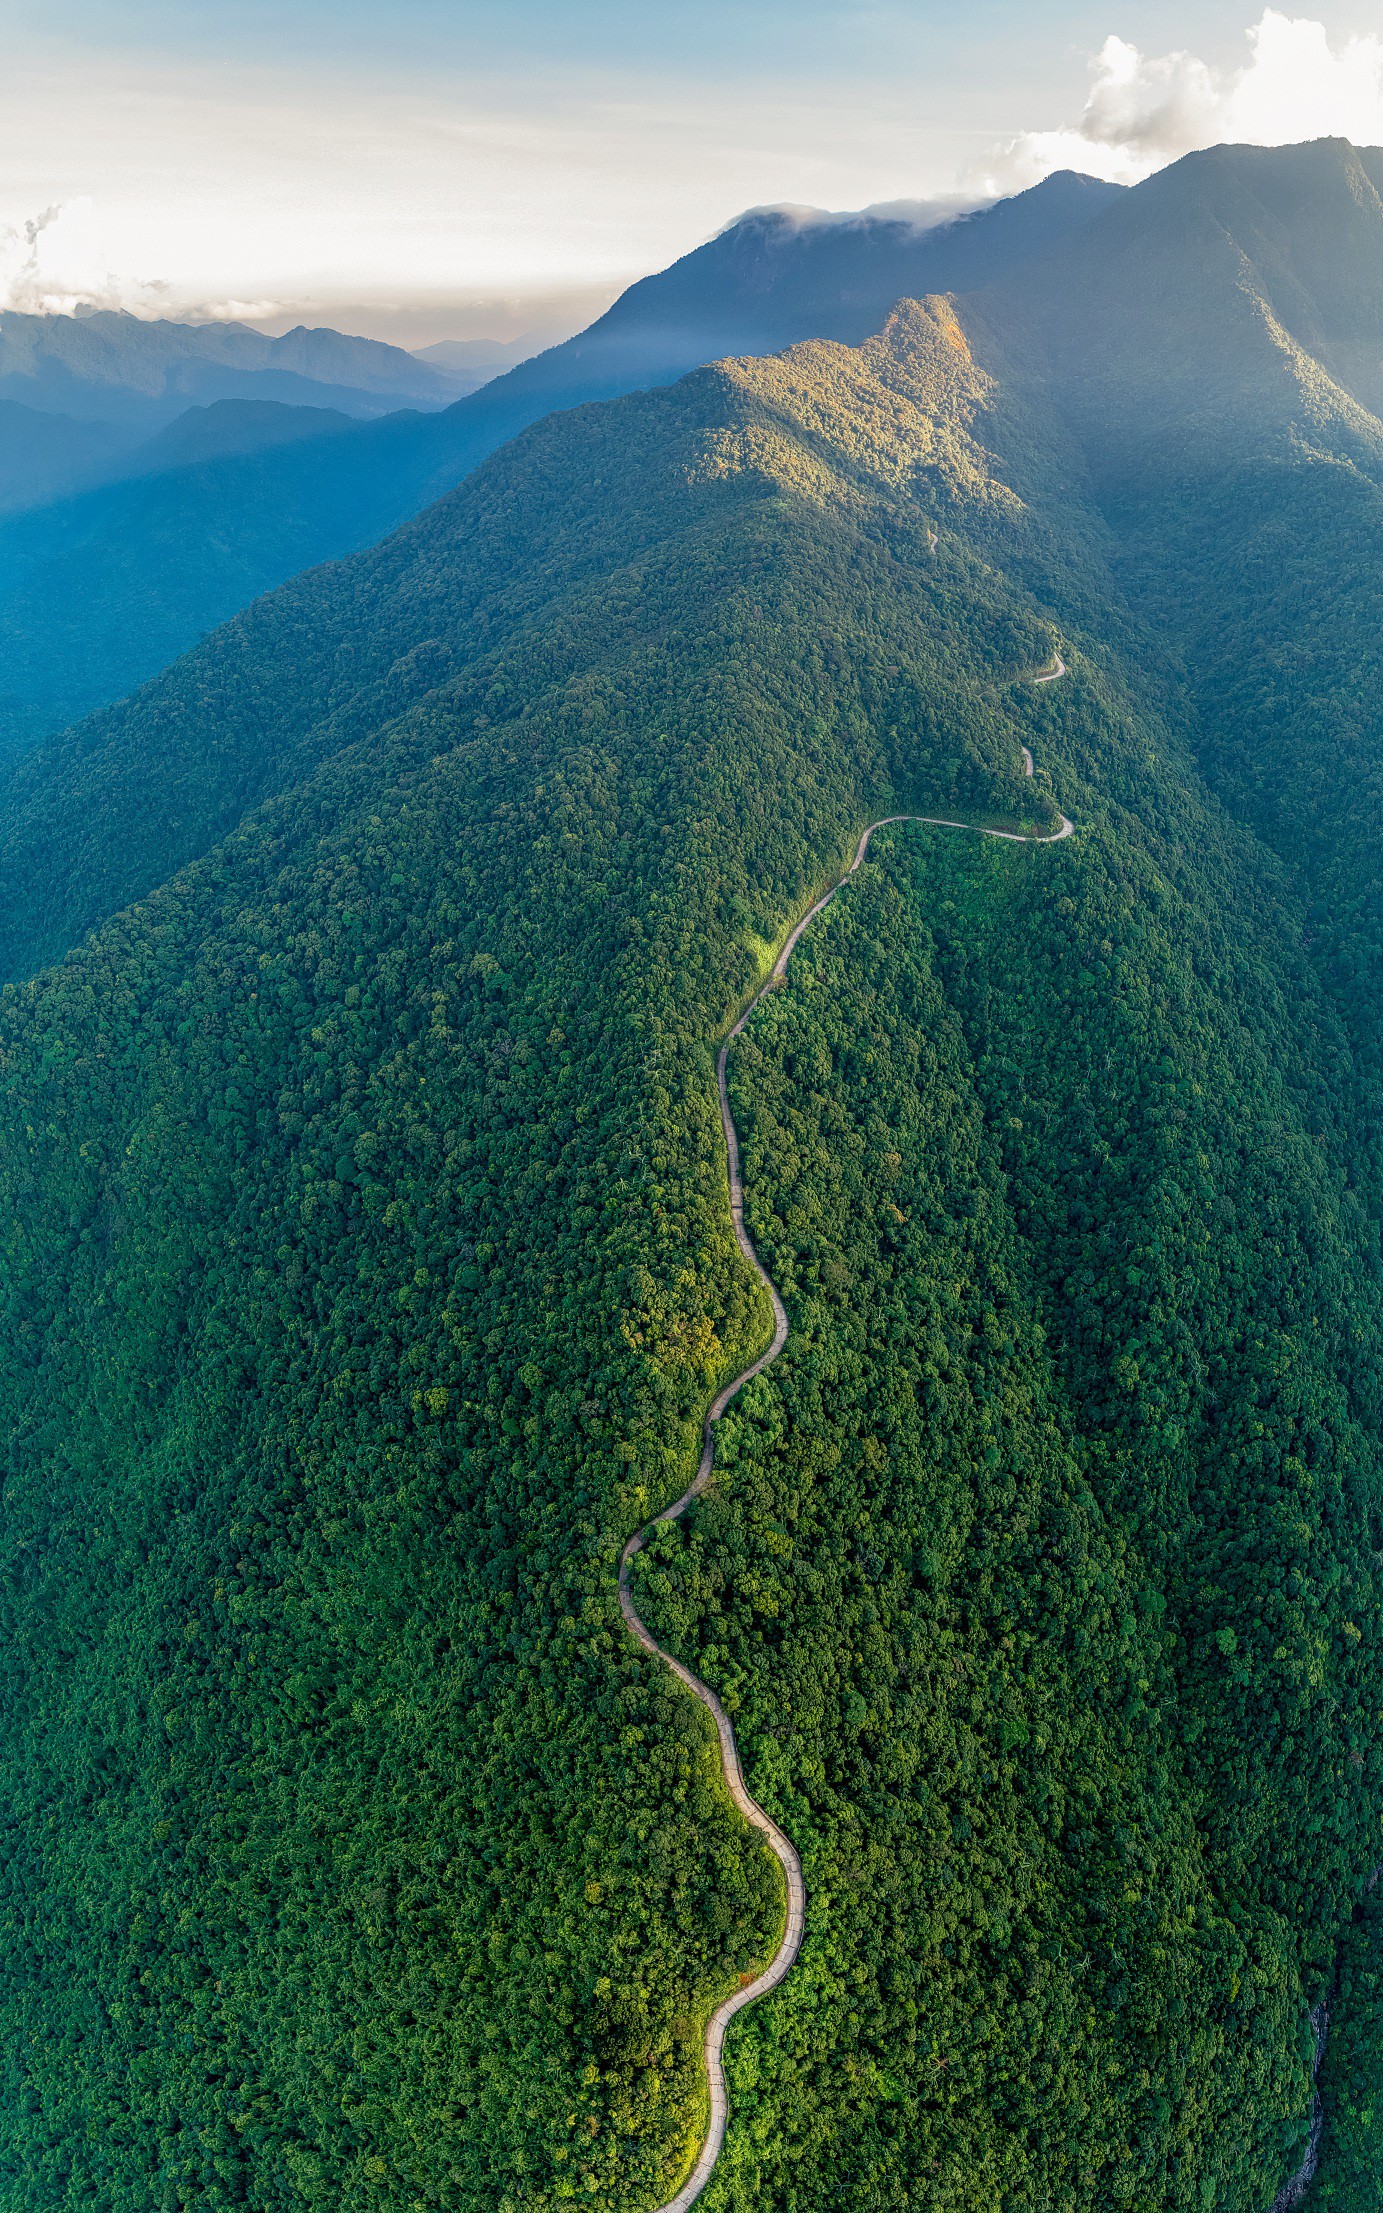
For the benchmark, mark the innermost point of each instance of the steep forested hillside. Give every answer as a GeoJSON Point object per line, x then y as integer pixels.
{"type": "Point", "coordinates": [98, 593]}
{"type": "Point", "coordinates": [1020, 1571]}
{"type": "Point", "coordinates": [101, 591]}
{"type": "Point", "coordinates": [394, 1244]}
{"type": "Point", "coordinates": [588, 538]}
{"type": "Point", "coordinates": [368, 1269]}
{"type": "Point", "coordinates": [1213, 347]}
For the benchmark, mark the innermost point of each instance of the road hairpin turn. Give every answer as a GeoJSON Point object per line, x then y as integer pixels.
{"type": "Point", "coordinates": [780, 1845]}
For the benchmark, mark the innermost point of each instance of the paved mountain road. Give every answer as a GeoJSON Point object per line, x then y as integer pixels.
{"type": "Point", "coordinates": [780, 1845]}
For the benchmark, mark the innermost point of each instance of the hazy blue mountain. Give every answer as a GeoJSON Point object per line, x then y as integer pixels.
{"type": "Point", "coordinates": [106, 366]}
{"type": "Point", "coordinates": [1234, 296]}
{"type": "Point", "coordinates": [231, 427]}
{"type": "Point", "coordinates": [779, 275]}
{"type": "Point", "coordinates": [44, 456]}
{"type": "Point", "coordinates": [471, 362]}
{"type": "Point", "coordinates": [81, 395]}
{"type": "Point", "coordinates": [100, 591]}
{"type": "Point", "coordinates": [163, 560]}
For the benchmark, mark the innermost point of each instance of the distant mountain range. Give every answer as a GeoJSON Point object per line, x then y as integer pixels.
{"type": "Point", "coordinates": [101, 365]}
{"type": "Point", "coordinates": [82, 396]}
{"type": "Point", "coordinates": [368, 1261]}
{"type": "Point", "coordinates": [473, 361]}
{"type": "Point", "coordinates": [100, 590]}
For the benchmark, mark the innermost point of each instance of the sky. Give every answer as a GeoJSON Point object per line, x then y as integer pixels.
{"type": "Point", "coordinates": [455, 168]}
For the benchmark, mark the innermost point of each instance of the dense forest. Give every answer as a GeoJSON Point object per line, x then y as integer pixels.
{"type": "Point", "coordinates": [1228, 436]}
{"type": "Point", "coordinates": [368, 1269]}
{"type": "Point", "coordinates": [369, 1169]}
{"type": "Point", "coordinates": [98, 591]}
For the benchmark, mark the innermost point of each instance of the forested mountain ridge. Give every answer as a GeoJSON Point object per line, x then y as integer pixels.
{"type": "Point", "coordinates": [98, 593]}
{"type": "Point", "coordinates": [775, 278]}
{"type": "Point", "coordinates": [368, 1270]}
{"type": "Point", "coordinates": [108, 810]}
{"type": "Point", "coordinates": [1235, 468]}
{"type": "Point", "coordinates": [658, 756]}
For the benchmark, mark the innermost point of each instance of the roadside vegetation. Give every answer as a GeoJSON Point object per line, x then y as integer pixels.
{"type": "Point", "coordinates": [368, 1269]}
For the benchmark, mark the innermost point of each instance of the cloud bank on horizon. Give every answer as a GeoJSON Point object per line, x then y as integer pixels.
{"type": "Point", "coordinates": [271, 201]}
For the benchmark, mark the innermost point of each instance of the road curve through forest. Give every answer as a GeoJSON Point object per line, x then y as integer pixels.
{"type": "Point", "coordinates": [781, 1845]}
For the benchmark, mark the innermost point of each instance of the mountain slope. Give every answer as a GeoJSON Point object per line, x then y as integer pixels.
{"type": "Point", "coordinates": [369, 1268]}
{"type": "Point", "coordinates": [79, 394]}
{"type": "Point", "coordinates": [105, 811]}
{"type": "Point", "coordinates": [43, 456]}
{"type": "Point", "coordinates": [768, 596]}
{"type": "Point", "coordinates": [231, 426]}
{"type": "Point", "coordinates": [777, 277]}
{"type": "Point", "coordinates": [1200, 319]}
{"type": "Point", "coordinates": [1215, 398]}
{"type": "Point", "coordinates": [1214, 347]}
{"type": "Point", "coordinates": [100, 592]}
{"type": "Point", "coordinates": [123, 552]}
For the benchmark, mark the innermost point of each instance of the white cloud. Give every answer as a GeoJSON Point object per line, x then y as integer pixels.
{"type": "Point", "coordinates": [420, 205]}
{"type": "Point", "coordinates": [67, 257]}
{"type": "Point", "coordinates": [408, 196]}
{"type": "Point", "coordinates": [918, 215]}
{"type": "Point", "coordinates": [1145, 110]}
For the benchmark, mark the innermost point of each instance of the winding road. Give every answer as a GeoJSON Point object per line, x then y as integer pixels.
{"type": "Point", "coordinates": [780, 1844]}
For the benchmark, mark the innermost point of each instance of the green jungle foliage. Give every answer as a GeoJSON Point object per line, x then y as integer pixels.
{"type": "Point", "coordinates": [368, 1268]}
{"type": "Point", "coordinates": [1350, 2179]}
{"type": "Point", "coordinates": [1039, 1574]}
{"type": "Point", "coordinates": [1225, 430]}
